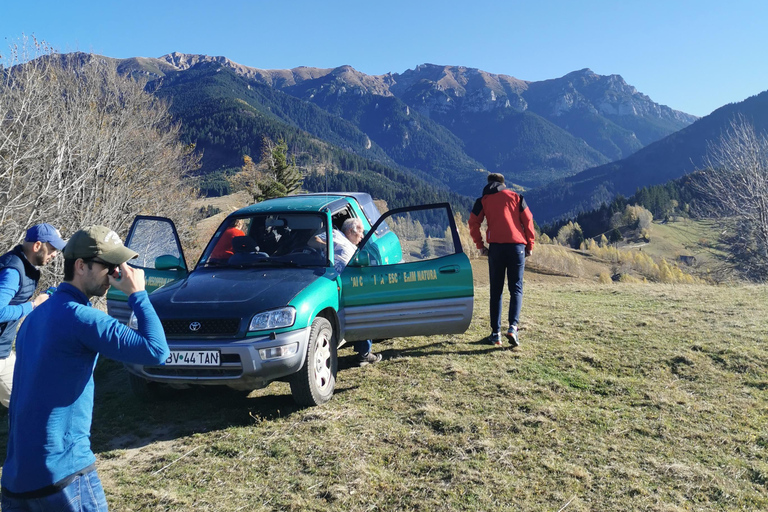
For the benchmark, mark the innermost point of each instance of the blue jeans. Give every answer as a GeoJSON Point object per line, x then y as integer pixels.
{"type": "Point", "coordinates": [509, 260]}
{"type": "Point", "coordinates": [84, 494]}
{"type": "Point", "coordinates": [363, 347]}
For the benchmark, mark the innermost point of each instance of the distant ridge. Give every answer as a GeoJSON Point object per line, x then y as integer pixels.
{"type": "Point", "coordinates": [444, 124]}
{"type": "Point", "coordinates": [662, 161]}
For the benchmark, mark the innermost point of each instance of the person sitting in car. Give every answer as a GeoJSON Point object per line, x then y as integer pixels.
{"type": "Point", "coordinates": [344, 246]}
{"type": "Point", "coordinates": [344, 242]}
{"type": "Point", "coordinates": [223, 249]}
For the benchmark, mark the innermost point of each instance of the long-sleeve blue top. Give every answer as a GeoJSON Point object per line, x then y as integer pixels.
{"type": "Point", "coordinates": [52, 401]}
{"type": "Point", "coordinates": [9, 287]}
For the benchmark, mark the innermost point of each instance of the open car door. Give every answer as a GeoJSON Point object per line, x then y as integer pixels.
{"type": "Point", "coordinates": [160, 256]}
{"type": "Point", "coordinates": [427, 289]}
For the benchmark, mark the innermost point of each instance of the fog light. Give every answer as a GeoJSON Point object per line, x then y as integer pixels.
{"type": "Point", "coordinates": [278, 352]}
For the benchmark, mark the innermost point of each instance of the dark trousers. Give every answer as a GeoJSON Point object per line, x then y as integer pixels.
{"type": "Point", "coordinates": [363, 347]}
{"type": "Point", "coordinates": [509, 260]}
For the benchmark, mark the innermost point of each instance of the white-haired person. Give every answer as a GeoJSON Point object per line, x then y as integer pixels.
{"type": "Point", "coordinates": [345, 243]}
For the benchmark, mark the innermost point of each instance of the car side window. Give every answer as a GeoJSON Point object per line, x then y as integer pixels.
{"type": "Point", "coordinates": [338, 217]}
{"type": "Point", "coordinates": [418, 235]}
{"type": "Point", "coordinates": [152, 238]}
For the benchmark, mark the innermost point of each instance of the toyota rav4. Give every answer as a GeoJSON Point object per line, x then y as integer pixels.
{"type": "Point", "coordinates": [264, 303]}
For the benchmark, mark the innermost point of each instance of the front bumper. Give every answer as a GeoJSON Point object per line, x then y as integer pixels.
{"type": "Point", "coordinates": [241, 365]}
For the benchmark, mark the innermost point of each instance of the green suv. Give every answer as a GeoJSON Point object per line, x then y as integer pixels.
{"type": "Point", "coordinates": [264, 303]}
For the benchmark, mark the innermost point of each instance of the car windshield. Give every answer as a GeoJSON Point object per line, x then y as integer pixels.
{"type": "Point", "coordinates": [273, 239]}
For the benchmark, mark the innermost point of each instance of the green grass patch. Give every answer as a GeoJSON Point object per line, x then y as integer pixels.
{"type": "Point", "coordinates": [621, 397]}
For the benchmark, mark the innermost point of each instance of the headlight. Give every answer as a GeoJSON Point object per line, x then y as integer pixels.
{"type": "Point", "coordinates": [275, 319]}
{"type": "Point", "coordinates": [133, 323]}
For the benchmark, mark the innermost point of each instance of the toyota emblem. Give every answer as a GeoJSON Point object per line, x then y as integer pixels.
{"type": "Point", "coordinates": [195, 326]}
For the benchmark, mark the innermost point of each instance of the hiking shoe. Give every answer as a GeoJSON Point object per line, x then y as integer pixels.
{"type": "Point", "coordinates": [495, 338]}
{"type": "Point", "coordinates": [368, 358]}
{"type": "Point", "coordinates": [512, 336]}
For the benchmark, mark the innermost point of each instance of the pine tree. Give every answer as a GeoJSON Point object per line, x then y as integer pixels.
{"type": "Point", "coordinates": [426, 250]}
{"type": "Point", "coordinates": [286, 174]}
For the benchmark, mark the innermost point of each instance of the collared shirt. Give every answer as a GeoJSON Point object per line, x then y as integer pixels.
{"type": "Point", "coordinates": [52, 402]}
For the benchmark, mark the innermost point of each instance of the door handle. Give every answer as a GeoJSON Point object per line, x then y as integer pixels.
{"type": "Point", "coordinates": [451, 269]}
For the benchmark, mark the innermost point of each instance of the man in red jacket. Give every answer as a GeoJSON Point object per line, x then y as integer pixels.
{"type": "Point", "coordinates": [510, 239]}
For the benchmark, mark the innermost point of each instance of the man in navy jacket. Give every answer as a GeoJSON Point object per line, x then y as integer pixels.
{"type": "Point", "coordinates": [510, 235]}
{"type": "Point", "coordinates": [49, 464]}
{"type": "Point", "coordinates": [19, 276]}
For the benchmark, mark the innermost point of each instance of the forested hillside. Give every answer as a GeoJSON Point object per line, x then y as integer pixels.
{"type": "Point", "coordinates": [667, 159]}
{"type": "Point", "coordinates": [227, 116]}
{"type": "Point", "coordinates": [444, 122]}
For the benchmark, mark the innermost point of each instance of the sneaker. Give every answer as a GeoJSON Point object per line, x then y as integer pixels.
{"type": "Point", "coordinates": [495, 338]}
{"type": "Point", "coordinates": [368, 358]}
{"type": "Point", "coordinates": [512, 336]}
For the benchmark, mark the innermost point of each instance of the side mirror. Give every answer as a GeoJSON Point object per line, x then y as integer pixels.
{"type": "Point", "coordinates": [361, 259]}
{"type": "Point", "coordinates": [168, 262]}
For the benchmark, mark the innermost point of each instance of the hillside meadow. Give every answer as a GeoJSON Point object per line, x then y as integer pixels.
{"type": "Point", "coordinates": [621, 397]}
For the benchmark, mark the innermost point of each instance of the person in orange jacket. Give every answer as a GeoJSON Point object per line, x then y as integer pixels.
{"type": "Point", "coordinates": [510, 238]}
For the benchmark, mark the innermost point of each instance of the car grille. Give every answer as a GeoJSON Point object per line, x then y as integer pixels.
{"type": "Point", "coordinates": [207, 327]}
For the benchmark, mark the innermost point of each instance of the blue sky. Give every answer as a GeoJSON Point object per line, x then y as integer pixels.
{"type": "Point", "coordinates": [693, 56]}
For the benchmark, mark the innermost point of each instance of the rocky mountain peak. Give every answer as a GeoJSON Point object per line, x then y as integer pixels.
{"type": "Point", "coordinates": [182, 61]}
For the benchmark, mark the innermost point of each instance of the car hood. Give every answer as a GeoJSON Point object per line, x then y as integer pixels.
{"type": "Point", "coordinates": [256, 289]}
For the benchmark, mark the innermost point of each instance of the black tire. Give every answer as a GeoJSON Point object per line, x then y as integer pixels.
{"type": "Point", "coordinates": [148, 391]}
{"type": "Point", "coordinates": [315, 382]}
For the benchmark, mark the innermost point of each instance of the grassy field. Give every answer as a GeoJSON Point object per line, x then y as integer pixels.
{"type": "Point", "coordinates": [683, 236]}
{"type": "Point", "coordinates": [621, 397]}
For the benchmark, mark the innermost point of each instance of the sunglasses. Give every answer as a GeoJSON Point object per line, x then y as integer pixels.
{"type": "Point", "coordinates": [111, 267]}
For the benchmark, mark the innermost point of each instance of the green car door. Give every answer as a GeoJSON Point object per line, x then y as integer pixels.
{"type": "Point", "coordinates": [427, 290]}
{"type": "Point", "coordinates": [160, 256]}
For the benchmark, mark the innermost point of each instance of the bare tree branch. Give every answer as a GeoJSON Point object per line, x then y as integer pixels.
{"type": "Point", "coordinates": [734, 185]}
{"type": "Point", "coordinates": [80, 144]}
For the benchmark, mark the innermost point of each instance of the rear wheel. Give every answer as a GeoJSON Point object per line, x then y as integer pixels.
{"type": "Point", "coordinates": [315, 382]}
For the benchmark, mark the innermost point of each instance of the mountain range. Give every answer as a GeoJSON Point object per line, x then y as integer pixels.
{"type": "Point", "coordinates": [433, 132]}
{"type": "Point", "coordinates": [449, 124]}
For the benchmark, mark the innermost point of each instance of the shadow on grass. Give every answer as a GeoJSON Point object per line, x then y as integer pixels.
{"type": "Point", "coordinates": [122, 421]}
{"type": "Point", "coordinates": [425, 350]}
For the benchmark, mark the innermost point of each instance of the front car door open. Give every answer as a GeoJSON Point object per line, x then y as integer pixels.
{"type": "Point", "coordinates": [427, 290]}
{"type": "Point", "coordinates": [160, 256]}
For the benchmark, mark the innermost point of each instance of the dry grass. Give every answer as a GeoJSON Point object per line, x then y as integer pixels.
{"type": "Point", "coordinates": [621, 397]}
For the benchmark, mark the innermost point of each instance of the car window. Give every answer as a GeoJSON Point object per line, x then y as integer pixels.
{"type": "Point", "coordinates": [152, 238]}
{"type": "Point", "coordinates": [268, 240]}
{"type": "Point", "coordinates": [412, 236]}
{"type": "Point", "coordinates": [373, 215]}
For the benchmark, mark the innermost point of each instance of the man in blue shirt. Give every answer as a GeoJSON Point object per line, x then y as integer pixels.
{"type": "Point", "coordinates": [18, 280]}
{"type": "Point", "coordinates": [49, 464]}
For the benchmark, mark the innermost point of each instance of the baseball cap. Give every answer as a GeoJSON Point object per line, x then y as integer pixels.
{"type": "Point", "coordinates": [45, 233]}
{"type": "Point", "coordinates": [98, 241]}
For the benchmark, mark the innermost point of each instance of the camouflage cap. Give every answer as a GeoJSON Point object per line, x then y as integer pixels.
{"type": "Point", "coordinates": [98, 242]}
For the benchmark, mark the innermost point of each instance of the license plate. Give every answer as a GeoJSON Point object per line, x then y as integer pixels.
{"type": "Point", "coordinates": [194, 358]}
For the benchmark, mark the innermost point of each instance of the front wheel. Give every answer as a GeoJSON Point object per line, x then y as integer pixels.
{"type": "Point", "coordinates": [314, 383]}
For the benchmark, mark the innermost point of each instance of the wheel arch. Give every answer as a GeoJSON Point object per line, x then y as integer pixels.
{"type": "Point", "coordinates": [332, 316]}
